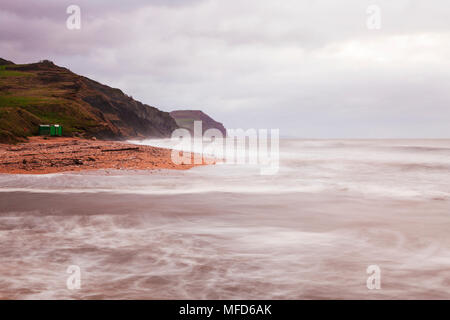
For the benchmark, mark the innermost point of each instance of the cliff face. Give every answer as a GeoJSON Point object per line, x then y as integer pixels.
{"type": "Point", "coordinates": [40, 93]}
{"type": "Point", "coordinates": [185, 119]}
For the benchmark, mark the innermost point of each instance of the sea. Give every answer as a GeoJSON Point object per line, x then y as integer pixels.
{"type": "Point", "coordinates": [340, 219]}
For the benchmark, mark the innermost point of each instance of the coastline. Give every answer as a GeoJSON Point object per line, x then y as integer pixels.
{"type": "Point", "coordinates": [334, 209]}
{"type": "Point", "coordinates": [60, 154]}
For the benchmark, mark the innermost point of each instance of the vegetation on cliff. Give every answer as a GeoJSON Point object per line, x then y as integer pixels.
{"type": "Point", "coordinates": [44, 93]}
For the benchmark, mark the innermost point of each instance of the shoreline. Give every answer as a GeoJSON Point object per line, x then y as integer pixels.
{"type": "Point", "coordinates": [42, 155]}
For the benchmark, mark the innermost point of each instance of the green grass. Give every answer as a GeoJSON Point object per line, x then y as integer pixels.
{"type": "Point", "coordinates": [21, 116]}
{"type": "Point", "coordinates": [5, 72]}
{"type": "Point", "coordinates": [16, 123]}
{"type": "Point", "coordinates": [65, 118]}
{"type": "Point", "coordinates": [23, 101]}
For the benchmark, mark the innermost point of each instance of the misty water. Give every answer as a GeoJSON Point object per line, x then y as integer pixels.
{"type": "Point", "coordinates": [227, 232]}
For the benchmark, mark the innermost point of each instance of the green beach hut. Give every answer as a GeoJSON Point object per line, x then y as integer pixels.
{"type": "Point", "coordinates": [50, 130]}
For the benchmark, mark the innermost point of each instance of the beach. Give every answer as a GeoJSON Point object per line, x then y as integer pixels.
{"type": "Point", "coordinates": [41, 155]}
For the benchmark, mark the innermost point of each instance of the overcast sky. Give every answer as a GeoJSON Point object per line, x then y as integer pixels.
{"type": "Point", "coordinates": [311, 68]}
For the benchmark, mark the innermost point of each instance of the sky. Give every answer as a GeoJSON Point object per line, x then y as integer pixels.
{"type": "Point", "coordinates": [311, 68]}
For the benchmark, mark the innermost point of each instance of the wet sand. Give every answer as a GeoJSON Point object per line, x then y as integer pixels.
{"type": "Point", "coordinates": [53, 155]}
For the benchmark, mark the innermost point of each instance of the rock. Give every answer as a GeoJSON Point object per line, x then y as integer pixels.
{"type": "Point", "coordinates": [77, 161]}
{"type": "Point", "coordinates": [185, 119]}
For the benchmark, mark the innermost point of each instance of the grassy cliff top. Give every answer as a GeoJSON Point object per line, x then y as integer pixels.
{"type": "Point", "coordinates": [44, 93]}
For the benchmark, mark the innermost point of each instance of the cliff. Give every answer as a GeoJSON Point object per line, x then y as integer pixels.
{"type": "Point", "coordinates": [185, 119]}
{"type": "Point", "coordinates": [44, 93]}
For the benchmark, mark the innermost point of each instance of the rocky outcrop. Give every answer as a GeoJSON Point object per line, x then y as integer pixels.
{"type": "Point", "coordinates": [185, 119]}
